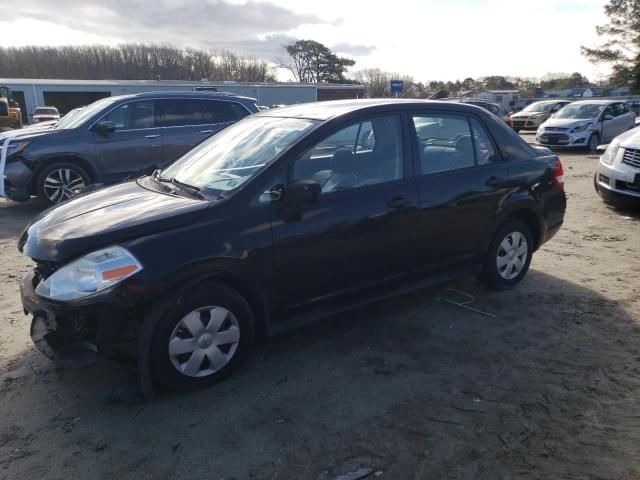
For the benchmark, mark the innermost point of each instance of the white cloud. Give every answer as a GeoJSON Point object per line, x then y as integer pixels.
{"type": "Point", "coordinates": [429, 39]}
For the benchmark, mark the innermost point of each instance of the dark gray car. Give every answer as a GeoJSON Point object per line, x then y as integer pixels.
{"type": "Point", "coordinates": [112, 139]}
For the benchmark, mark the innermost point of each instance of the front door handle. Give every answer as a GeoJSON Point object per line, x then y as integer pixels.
{"type": "Point", "coordinates": [495, 181]}
{"type": "Point", "coordinates": [151, 136]}
{"type": "Point", "coordinates": [206, 131]}
{"type": "Point", "coordinates": [398, 202]}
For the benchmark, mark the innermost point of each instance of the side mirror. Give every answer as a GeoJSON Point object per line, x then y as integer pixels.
{"type": "Point", "coordinates": [608, 117]}
{"type": "Point", "coordinates": [104, 127]}
{"type": "Point", "coordinates": [301, 192]}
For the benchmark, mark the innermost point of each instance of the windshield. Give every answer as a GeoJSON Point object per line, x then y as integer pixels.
{"type": "Point", "coordinates": [538, 107]}
{"type": "Point", "coordinates": [86, 113]}
{"type": "Point", "coordinates": [67, 118]}
{"type": "Point", "coordinates": [237, 153]}
{"type": "Point", "coordinates": [46, 111]}
{"type": "Point", "coordinates": [579, 111]}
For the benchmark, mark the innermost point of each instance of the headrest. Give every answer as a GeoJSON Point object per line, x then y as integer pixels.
{"type": "Point", "coordinates": [343, 161]}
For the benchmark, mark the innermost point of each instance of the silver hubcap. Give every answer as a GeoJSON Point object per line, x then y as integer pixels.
{"type": "Point", "coordinates": [62, 184]}
{"type": "Point", "coordinates": [512, 255]}
{"type": "Point", "coordinates": [204, 341]}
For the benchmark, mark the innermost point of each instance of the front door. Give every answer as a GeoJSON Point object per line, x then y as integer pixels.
{"type": "Point", "coordinates": [461, 180]}
{"type": "Point", "coordinates": [361, 231]}
{"type": "Point", "coordinates": [135, 145]}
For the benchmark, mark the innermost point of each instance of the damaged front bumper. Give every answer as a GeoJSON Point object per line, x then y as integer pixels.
{"type": "Point", "coordinates": [75, 335]}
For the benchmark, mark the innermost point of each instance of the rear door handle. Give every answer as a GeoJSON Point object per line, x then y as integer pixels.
{"type": "Point", "coordinates": [398, 202]}
{"type": "Point", "coordinates": [495, 181]}
{"type": "Point", "coordinates": [151, 136]}
{"type": "Point", "coordinates": [206, 131]}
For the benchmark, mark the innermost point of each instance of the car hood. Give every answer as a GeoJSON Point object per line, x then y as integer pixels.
{"type": "Point", "coordinates": [567, 122]}
{"type": "Point", "coordinates": [630, 138]}
{"type": "Point", "coordinates": [32, 133]}
{"type": "Point", "coordinates": [528, 114]}
{"type": "Point", "coordinates": [105, 217]}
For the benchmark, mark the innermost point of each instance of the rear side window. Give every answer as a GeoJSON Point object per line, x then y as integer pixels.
{"type": "Point", "coordinates": [132, 116]}
{"type": "Point", "coordinates": [484, 148]}
{"type": "Point", "coordinates": [186, 112]}
{"type": "Point", "coordinates": [444, 142]}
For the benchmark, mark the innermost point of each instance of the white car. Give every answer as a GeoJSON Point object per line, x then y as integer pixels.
{"type": "Point", "coordinates": [586, 124]}
{"type": "Point", "coordinates": [617, 178]}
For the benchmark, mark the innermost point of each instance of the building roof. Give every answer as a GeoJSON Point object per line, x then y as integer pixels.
{"type": "Point", "coordinates": [176, 83]}
{"type": "Point", "coordinates": [502, 91]}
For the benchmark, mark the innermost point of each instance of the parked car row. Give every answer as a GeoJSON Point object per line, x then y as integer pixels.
{"type": "Point", "coordinates": [111, 139]}
{"type": "Point", "coordinates": [586, 123]}
{"type": "Point", "coordinates": [286, 216]}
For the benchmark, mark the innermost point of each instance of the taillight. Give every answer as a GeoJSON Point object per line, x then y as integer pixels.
{"type": "Point", "coordinates": [558, 176]}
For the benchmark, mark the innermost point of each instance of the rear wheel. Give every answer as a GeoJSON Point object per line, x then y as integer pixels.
{"type": "Point", "coordinates": [509, 255]}
{"type": "Point", "coordinates": [60, 181]}
{"type": "Point", "coordinates": [202, 338]}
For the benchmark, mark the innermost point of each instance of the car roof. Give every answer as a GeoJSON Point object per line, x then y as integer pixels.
{"type": "Point", "coordinates": [335, 108]}
{"type": "Point", "coordinates": [597, 102]}
{"type": "Point", "coordinates": [185, 94]}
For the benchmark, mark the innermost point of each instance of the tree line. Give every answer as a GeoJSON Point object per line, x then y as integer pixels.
{"type": "Point", "coordinates": [130, 62]}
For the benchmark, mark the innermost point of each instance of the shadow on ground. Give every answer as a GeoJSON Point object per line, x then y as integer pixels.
{"type": "Point", "coordinates": [413, 387]}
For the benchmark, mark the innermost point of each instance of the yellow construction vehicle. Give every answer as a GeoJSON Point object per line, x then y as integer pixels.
{"type": "Point", "coordinates": [10, 115]}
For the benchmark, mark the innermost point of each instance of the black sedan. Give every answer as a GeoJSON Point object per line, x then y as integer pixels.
{"type": "Point", "coordinates": [279, 220]}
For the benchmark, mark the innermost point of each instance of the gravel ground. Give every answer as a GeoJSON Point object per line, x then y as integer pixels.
{"type": "Point", "coordinates": [411, 388]}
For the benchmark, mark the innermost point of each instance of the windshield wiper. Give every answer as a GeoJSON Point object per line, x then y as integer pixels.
{"type": "Point", "coordinates": [185, 187]}
{"type": "Point", "coordinates": [192, 189]}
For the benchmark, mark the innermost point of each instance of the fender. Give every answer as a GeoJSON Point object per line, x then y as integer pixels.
{"type": "Point", "coordinates": [521, 204]}
{"type": "Point", "coordinates": [190, 277]}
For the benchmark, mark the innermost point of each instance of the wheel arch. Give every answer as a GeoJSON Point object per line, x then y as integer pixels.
{"type": "Point", "coordinates": [64, 158]}
{"type": "Point", "coordinates": [529, 216]}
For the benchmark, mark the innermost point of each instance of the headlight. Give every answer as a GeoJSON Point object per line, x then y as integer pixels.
{"type": "Point", "coordinates": [581, 128]}
{"type": "Point", "coordinates": [14, 148]}
{"type": "Point", "coordinates": [610, 153]}
{"type": "Point", "coordinates": [90, 274]}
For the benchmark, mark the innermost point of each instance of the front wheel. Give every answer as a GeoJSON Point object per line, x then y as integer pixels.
{"type": "Point", "coordinates": [509, 256]}
{"type": "Point", "coordinates": [593, 142]}
{"type": "Point", "coordinates": [202, 338]}
{"type": "Point", "coordinates": [60, 181]}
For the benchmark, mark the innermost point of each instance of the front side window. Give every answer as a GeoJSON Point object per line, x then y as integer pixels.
{"type": "Point", "coordinates": [238, 153]}
{"type": "Point", "coordinates": [364, 153]}
{"type": "Point", "coordinates": [132, 116]}
{"type": "Point", "coordinates": [444, 142]}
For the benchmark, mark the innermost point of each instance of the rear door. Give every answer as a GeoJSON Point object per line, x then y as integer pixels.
{"type": "Point", "coordinates": [462, 179]}
{"type": "Point", "coordinates": [135, 145]}
{"type": "Point", "coordinates": [186, 122]}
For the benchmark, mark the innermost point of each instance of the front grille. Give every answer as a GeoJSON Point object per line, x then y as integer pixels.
{"type": "Point", "coordinates": [556, 129]}
{"type": "Point", "coordinates": [620, 185]}
{"type": "Point", "coordinates": [518, 123]}
{"type": "Point", "coordinates": [554, 139]}
{"type": "Point", "coordinates": [603, 179]}
{"type": "Point", "coordinates": [631, 157]}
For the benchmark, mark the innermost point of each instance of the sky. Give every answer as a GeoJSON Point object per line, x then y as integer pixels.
{"type": "Point", "coordinates": [427, 39]}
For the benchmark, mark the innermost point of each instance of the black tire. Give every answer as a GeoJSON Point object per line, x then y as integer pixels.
{"type": "Point", "coordinates": [517, 130]}
{"type": "Point", "coordinates": [597, 137]}
{"type": "Point", "coordinates": [213, 294]}
{"type": "Point", "coordinates": [43, 194]}
{"type": "Point", "coordinates": [491, 275]}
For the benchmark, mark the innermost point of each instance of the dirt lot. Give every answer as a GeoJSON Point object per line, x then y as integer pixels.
{"type": "Point", "coordinates": [412, 388]}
